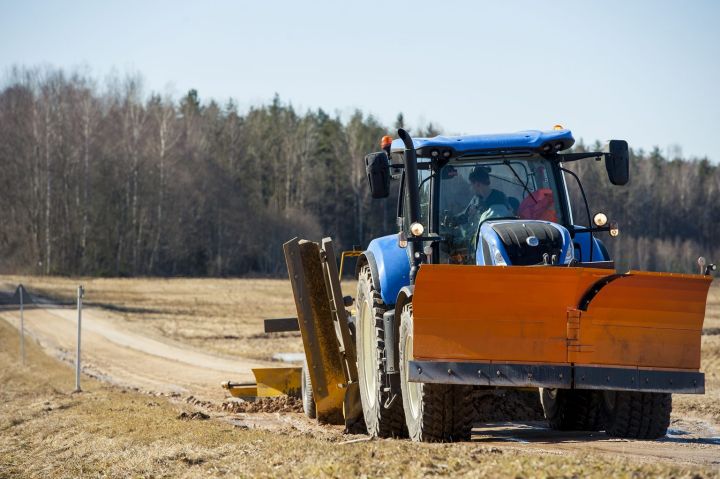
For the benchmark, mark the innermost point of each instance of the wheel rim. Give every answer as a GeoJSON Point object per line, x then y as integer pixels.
{"type": "Point", "coordinates": [369, 353]}
{"type": "Point", "coordinates": [413, 389]}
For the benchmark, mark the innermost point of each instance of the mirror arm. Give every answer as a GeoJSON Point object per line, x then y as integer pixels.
{"type": "Point", "coordinates": [594, 229]}
{"type": "Point", "coordinates": [568, 157]}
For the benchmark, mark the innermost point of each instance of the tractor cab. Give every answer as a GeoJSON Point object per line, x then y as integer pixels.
{"type": "Point", "coordinates": [491, 199]}
{"type": "Point", "coordinates": [481, 202]}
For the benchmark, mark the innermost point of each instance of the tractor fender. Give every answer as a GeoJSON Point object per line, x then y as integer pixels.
{"type": "Point", "coordinates": [367, 258]}
{"type": "Point", "coordinates": [582, 243]}
{"type": "Point", "coordinates": [404, 297]}
{"type": "Point", "coordinates": [389, 267]}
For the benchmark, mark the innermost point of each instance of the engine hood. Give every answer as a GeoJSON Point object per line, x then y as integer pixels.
{"type": "Point", "coordinates": [523, 243]}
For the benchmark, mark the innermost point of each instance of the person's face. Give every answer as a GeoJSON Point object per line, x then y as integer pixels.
{"type": "Point", "coordinates": [480, 188]}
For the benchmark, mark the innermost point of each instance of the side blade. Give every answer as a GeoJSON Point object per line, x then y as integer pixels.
{"type": "Point", "coordinates": [644, 319]}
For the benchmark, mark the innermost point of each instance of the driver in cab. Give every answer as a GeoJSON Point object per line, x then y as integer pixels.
{"type": "Point", "coordinates": [486, 202]}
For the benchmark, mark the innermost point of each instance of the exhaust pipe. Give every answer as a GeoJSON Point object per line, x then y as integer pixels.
{"type": "Point", "coordinates": [413, 200]}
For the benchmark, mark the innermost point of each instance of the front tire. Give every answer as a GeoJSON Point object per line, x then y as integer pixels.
{"type": "Point", "coordinates": [637, 415]}
{"type": "Point", "coordinates": [572, 409]}
{"type": "Point", "coordinates": [433, 412]}
{"type": "Point", "coordinates": [381, 421]}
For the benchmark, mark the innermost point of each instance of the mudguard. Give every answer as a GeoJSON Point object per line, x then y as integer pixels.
{"type": "Point", "coordinates": [582, 247]}
{"type": "Point", "coordinates": [559, 315]}
{"type": "Point", "coordinates": [392, 265]}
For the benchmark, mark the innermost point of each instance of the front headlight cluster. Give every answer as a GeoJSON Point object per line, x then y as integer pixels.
{"type": "Point", "coordinates": [570, 254]}
{"type": "Point", "coordinates": [496, 254]}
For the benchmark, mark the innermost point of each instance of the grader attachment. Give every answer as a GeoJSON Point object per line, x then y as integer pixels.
{"type": "Point", "coordinates": [269, 382]}
{"type": "Point", "coordinates": [325, 330]}
{"type": "Point", "coordinates": [559, 327]}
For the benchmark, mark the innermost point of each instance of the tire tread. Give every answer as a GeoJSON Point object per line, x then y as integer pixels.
{"type": "Point", "coordinates": [390, 421]}
{"type": "Point", "coordinates": [639, 415]}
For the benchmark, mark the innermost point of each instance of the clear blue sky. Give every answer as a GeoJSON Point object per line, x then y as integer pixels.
{"type": "Point", "coordinates": [645, 71]}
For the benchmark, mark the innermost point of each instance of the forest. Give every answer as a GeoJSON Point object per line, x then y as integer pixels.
{"type": "Point", "coordinates": [106, 179]}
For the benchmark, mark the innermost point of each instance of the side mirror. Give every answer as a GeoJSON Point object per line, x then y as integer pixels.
{"type": "Point", "coordinates": [617, 162]}
{"type": "Point", "coordinates": [377, 167]}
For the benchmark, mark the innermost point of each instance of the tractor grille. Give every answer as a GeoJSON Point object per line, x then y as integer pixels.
{"type": "Point", "coordinates": [514, 236]}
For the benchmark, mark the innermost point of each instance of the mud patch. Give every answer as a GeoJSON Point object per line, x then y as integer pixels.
{"type": "Point", "coordinates": [197, 415]}
{"type": "Point", "coordinates": [276, 404]}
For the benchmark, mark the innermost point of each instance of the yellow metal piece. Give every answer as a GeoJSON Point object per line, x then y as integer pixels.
{"type": "Point", "coordinates": [270, 382]}
{"type": "Point", "coordinates": [348, 254]}
{"type": "Point", "coordinates": [534, 315]}
{"type": "Point", "coordinates": [241, 390]}
{"type": "Point", "coordinates": [273, 382]}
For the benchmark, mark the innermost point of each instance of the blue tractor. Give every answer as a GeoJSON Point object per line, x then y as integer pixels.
{"type": "Point", "coordinates": [492, 282]}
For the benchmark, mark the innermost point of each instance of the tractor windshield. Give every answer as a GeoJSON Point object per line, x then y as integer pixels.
{"type": "Point", "coordinates": [472, 192]}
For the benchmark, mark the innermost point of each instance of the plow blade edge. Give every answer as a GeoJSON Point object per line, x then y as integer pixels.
{"type": "Point", "coordinates": [529, 317]}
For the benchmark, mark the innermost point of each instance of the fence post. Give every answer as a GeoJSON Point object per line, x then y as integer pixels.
{"type": "Point", "coordinates": [22, 327]}
{"type": "Point", "coordinates": [80, 292]}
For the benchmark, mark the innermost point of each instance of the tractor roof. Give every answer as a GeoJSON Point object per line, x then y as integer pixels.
{"type": "Point", "coordinates": [522, 140]}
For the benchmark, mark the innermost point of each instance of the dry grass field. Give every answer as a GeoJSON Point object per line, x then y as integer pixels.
{"type": "Point", "coordinates": [106, 431]}
{"type": "Point", "coordinates": [220, 315]}
{"type": "Point", "coordinates": [48, 432]}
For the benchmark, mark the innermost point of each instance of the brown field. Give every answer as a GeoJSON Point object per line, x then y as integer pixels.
{"type": "Point", "coordinates": [220, 315]}
{"type": "Point", "coordinates": [45, 431]}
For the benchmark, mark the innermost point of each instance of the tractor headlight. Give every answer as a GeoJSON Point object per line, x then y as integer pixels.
{"type": "Point", "coordinates": [570, 253]}
{"type": "Point", "coordinates": [417, 229]}
{"type": "Point", "coordinates": [496, 254]}
{"type": "Point", "coordinates": [600, 219]}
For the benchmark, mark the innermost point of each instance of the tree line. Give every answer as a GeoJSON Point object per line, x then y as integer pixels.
{"type": "Point", "coordinates": [107, 180]}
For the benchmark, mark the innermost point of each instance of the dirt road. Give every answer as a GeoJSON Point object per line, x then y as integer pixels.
{"type": "Point", "coordinates": [128, 358]}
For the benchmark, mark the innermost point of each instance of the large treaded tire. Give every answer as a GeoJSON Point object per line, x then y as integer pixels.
{"type": "Point", "coordinates": [370, 341]}
{"type": "Point", "coordinates": [636, 415]}
{"type": "Point", "coordinates": [439, 412]}
{"type": "Point", "coordinates": [308, 398]}
{"type": "Point", "coordinates": [572, 409]}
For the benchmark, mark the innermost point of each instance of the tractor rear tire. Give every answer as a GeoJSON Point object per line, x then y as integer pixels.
{"type": "Point", "coordinates": [383, 413]}
{"type": "Point", "coordinates": [308, 399]}
{"type": "Point", "coordinates": [433, 412]}
{"type": "Point", "coordinates": [637, 415]}
{"type": "Point", "coordinates": [572, 409]}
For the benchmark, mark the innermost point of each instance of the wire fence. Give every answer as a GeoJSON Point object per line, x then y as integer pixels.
{"type": "Point", "coordinates": [22, 298]}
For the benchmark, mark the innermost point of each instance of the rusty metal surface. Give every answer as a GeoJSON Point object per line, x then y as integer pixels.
{"type": "Point", "coordinates": [352, 409]}
{"type": "Point", "coordinates": [337, 305]}
{"type": "Point", "coordinates": [317, 328]}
